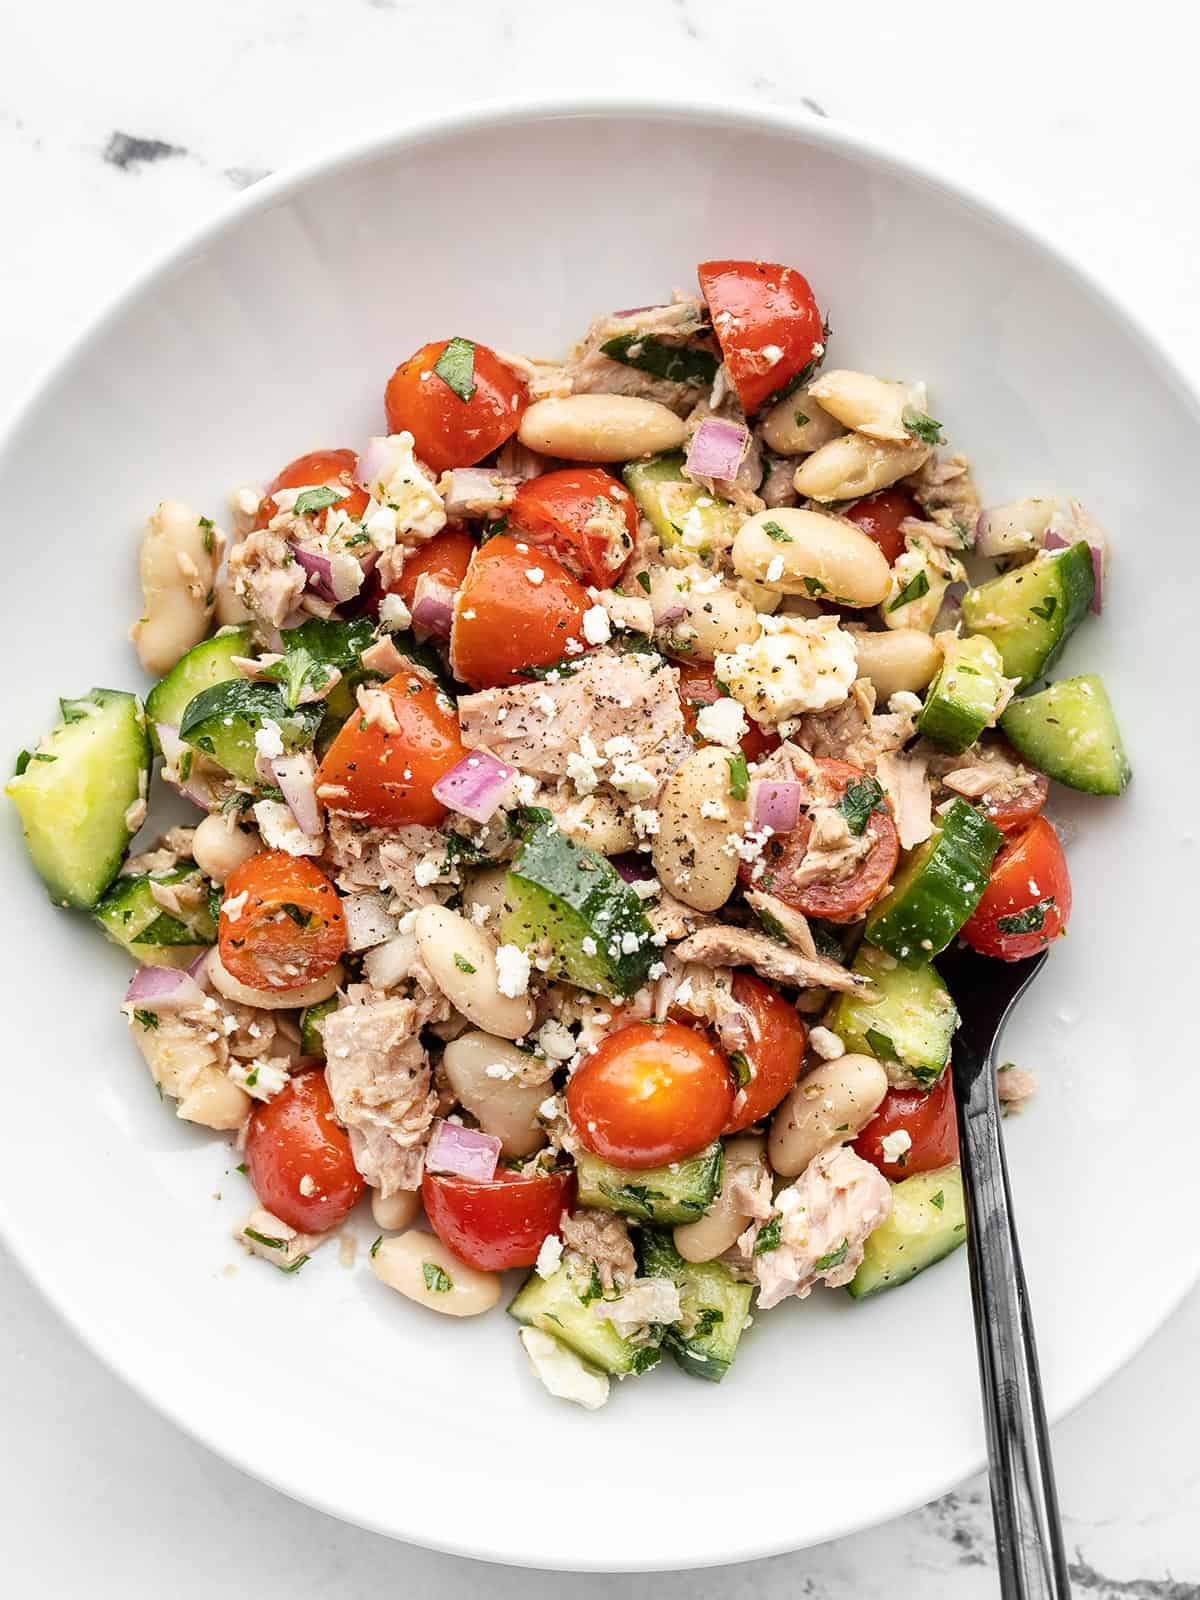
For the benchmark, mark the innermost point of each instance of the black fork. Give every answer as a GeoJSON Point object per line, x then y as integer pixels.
{"type": "Point", "coordinates": [1029, 1545]}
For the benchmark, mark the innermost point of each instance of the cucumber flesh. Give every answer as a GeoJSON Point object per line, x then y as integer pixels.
{"type": "Point", "coordinates": [666, 1196]}
{"type": "Point", "coordinates": [909, 1030]}
{"type": "Point", "coordinates": [205, 664]}
{"type": "Point", "coordinates": [1031, 612]}
{"type": "Point", "coordinates": [966, 695]}
{"type": "Point", "coordinates": [221, 721]}
{"type": "Point", "coordinates": [76, 790]}
{"type": "Point", "coordinates": [312, 1037]}
{"type": "Point", "coordinates": [715, 1307]}
{"type": "Point", "coordinates": [130, 916]}
{"type": "Point", "coordinates": [938, 889]}
{"type": "Point", "coordinates": [564, 1306]}
{"type": "Point", "coordinates": [928, 1221]}
{"type": "Point", "coordinates": [1069, 732]}
{"type": "Point", "coordinates": [682, 513]}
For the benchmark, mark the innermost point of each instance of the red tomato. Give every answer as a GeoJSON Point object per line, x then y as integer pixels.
{"type": "Point", "coordinates": [498, 1224]}
{"type": "Point", "coordinates": [879, 516]}
{"type": "Point", "coordinates": [930, 1122]}
{"type": "Point", "coordinates": [697, 688]}
{"type": "Point", "coordinates": [584, 515]}
{"type": "Point", "coordinates": [505, 620]}
{"type": "Point", "coordinates": [289, 929]}
{"type": "Point", "coordinates": [650, 1094]}
{"type": "Point", "coordinates": [775, 1050]}
{"type": "Point", "coordinates": [834, 900]}
{"type": "Point", "coordinates": [1028, 898]}
{"type": "Point", "coordinates": [387, 774]}
{"type": "Point", "coordinates": [1014, 811]}
{"type": "Point", "coordinates": [766, 322]}
{"type": "Point", "coordinates": [449, 431]}
{"type": "Point", "coordinates": [334, 468]}
{"type": "Point", "coordinates": [444, 558]}
{"type": "Point", "coordinates": [294, 1136]}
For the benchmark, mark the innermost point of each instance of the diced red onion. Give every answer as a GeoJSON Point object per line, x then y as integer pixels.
{"type": "Point", "coordinates": [368, 921]}
{"type": "Point", "coordinates": [633, 868]}
{"type": "Point", "coordinates": [950, 611]}
{"type": "Point", "coordinates": [776, 804]}
{"type": "Point", "coordinates": [668, 615]}
{"type": "Point", "coordinates": [1055, 541]}
{"type": "Point", "coordinates": [474, 786]}
{"type": "Point", "coordinates": [172, 746]}
{"type": "Point", "coordinates": [195, 969]}
{"type": "Point", "coordinates": [433, 606]}
{"type": "Point", "coordinates": [336, 577]}
{"type": "Point", "coordinates": [633, 311]}
{"type": "Point", "coordinates": [463, 1151]}
{"type": "Point", "coordinates": [717, 448]}
{"type": "Point", "coordinates": [165, 988]}
{"type": "Point", "coordinates": [387, 964]}
{"type": "Point", "coordinates": [296, 778]}
{"type": "Point", "coordinates": [477, 491]}
{"type": "Point", "coordinates": [319, 569]}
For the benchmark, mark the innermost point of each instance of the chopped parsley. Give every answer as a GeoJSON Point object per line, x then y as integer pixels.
{"type": "Point", "coordinates": [882, 1046]}
{"type": "Point", "coordinates": [1046, 609]}
{"type": "Point", "coordinates": [295, 1265]}
{"type": "Point", "coordinates": [252, 1077]}
{"type": "Point", "coordinates": [643, 579]}
{"type": "Point", "coordinates": [1031, 920]}
{"type": "Point", "coordinates": [739, 776]}
{"type": "Point", "coordinates": [463, 964]}
{"type": "Point", "coordinates": [40, 755]}
{"type": "Point", "coordinates": [774, 531]}
{"type": "Point", "coordinates": [912, 590]}
{"type": "Point", "coordinates": [374, 1250]}
{"type": "Point", "coordinates": [146, 1019]}
{"type": "Point", "coordinates": [769, 1236]}
{"type": "Point", "coordinates": [801, 420]}
{"type": "Point", "coordinates": [858, 802]}
{"type": "Point", "coordinates": [646, 1356]}
{"type": "Point", "coordinates": [647, 354]}
{"type": "Point", "coordinates": [436, 1280]}
{"type": "Point", "coordinates": [814, 587]}
{"type": "Point", "coordinates": [742, 1071]}
{"type": "Point", "coordinates": [23, 760]}
{"type": "Point", "coordinates": [938, 1200]}
{"type": "Point", "coordinates": [265, 1239]}
{"type": "Point", "coordinates": [706, 1320]}
{"type": "Point", "coordinates": [456, 368]}
{"type": "Point", "coordinates": [297, 913]}
{"type": "Point", "coordinates": [318, 499]}
{"type": "Point", "coordinates": [833, 1259]}
{"type": "Point", "coordinates": [923, 427]}
{"type": "Point", "coordinates": [206, 523]}
{"type": "Point", "coordinates": [637, 1197]}
{"type": "Point", "coordinates": [595, 1289]}
{"type": "Point", "coordinates": [242, 1168]}
{"type": "Point", "coordinates": [772, 926]}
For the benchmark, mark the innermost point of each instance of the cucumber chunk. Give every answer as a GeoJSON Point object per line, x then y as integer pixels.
{"type": "Point", "coordinates": [666, 1196]}
{"type": "Point", "coordinates": [965, 696]}
{"type": "Point", "coordinates": [1031, 612]}
{"type": "Point", "coordinates": [564, 1306]}
{"type": "Point", "coordinates": [574, 900]}
{"type": "Point", "coordinates": [936, 892]}
{"type": "Point", "coordinates": [312, 1037]}
{"type": "Point", "coordinates": [207, 663]}
{"type": "Point", "coordinates": [715, 1307]}
{"type": "Point", "coordinates": [909, 1030]}
{"type": "Point", "coordinates": [928, 1221]}
{"type": "Point", "coordinates": [681, 512]}
{"type": "Point", "coordinates": [131, 917]}
{"type": "Point", "coordinates": [75, 791]}
{"type": "Point", "coordinates": [1069, 732]}
{"type": "Point", "coordinates": [222, 721]}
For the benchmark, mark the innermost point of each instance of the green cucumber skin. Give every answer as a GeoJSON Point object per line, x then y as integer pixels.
{"type": "Point", "coordinates": [938, 890]}
{"type": "Point", "coordinates": [312, 1038]}
{"type": "Point", "coordinates": [702, 1286]}
{"type": "Point", "coordinates": [554, 1305]}
{"type": "Point", "coordinates": [916, 1235]}
{"type": "Point", "coordinates": [1070, 733]}
{"type": "Point", "coordinates": [203, 666]}
{"type": "Point", "coordinates": [73, 808]}
{"type": "Point", "coordinates": [665, 1196]}
{"type": "Point", "coordinates": [129, 915]}
{"type": "Point", "coordinates": [965, 696]}
{"type": "Point", "coordinates": [1001, 610]}
{"type": "Point", "coordinates": [221, 722]}
{"type": "Point", "coordinates": [655, 482]}
{"type": "Point", "coordinates": [916, 1015]}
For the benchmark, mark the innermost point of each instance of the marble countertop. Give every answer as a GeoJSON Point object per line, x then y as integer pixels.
{"type": "Point", "coordinates": [121, 127]}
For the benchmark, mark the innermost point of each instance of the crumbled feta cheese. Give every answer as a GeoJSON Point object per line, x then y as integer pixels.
{"type": "Point", "coordinates": [581, 773]}
{"type": "Point", "coordinates": [512, 971]}
{"type": "Point", "coordinates": [561, 1372]}
{"type": "Point", "coordinates": [826, 1044]}
{"type": "Point", "coordinates": [427, 872]}
{"type": "Point", "coordinates": [713, 809]}
{"type": "Point", "coordinates": [394, 614]}
{"type": "Point", "coordinates": [621, 748]}
{"type": "Point", "coordinates": [524, 788]}
{"type": "Point", "coordinates": [535, 576]}
{"type": "Point", "coordinates": [268, 740]}
{"type": "Point", "coordinates": [550, 1108]}
{"type": "Point", "coordinates": [630, 944]}
{"type": "Point", "coordinates": [724, 722]}
{"type": "Point", "coordinates": [796, 664]}
{"type": "Point", "coordinates": [555, 1041]}
{"type": "Point", "coordinates": [905, 702]}
{"type": "Point", "coordinates": [634, 780]}
{"type": "Point", "coordinates": [645, 821]}
{"type": "Point", "coordinates": [404, 487]}
{"type": "Point", "coordinates": [281, 831]}
{"type": "Point", "coordinates": [261, 1079]}
{"type": "Point", "coordinates": [307, 1186]}
{"type": "Point", "coordinates": [547, 705]}
{"type": "Point", "coordinates": [646, 888]}
{"type": "Point", "coordinates": [895, 1146]}
{"type": "Point", "coordinates": [264, 1235]}
{"type": "Point", "coordinates": [596, 629]}
{"type": "Point", "coordinates": [774, 569]}
{"type": "Point", "coordinates": [573, 648]}
{"type": "Point", "coordinates": [549, 1256]}
{"type": "Point", "coordinates": [588, 945]}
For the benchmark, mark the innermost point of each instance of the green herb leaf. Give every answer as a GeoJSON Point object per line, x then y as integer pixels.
{"type": "Point", "coordinates": [833, 1259]}
{"type": "Point", "coordinates": [643, 579]}
{"type": "Point", "coordinates": [1046, 609]}
{"type": "Point", "coordinates": [938, 1200]}
{"type": "Point", "coordinates": [772, 926]}
{"type": "Point", "coordinates": [242, 1168]}
{"type": "Point", "coordinates": [463, 964]}
{"type": "Point", "coordinates": [801, 420]}
{"type": "Point", "coordinates": [23, 760]}
{"type": "Point", "coordinates": [206, 523]}
{"type": "Point", "coordinates": [645, 1357]}
{"type": "Point", "coordinates": [912, 590]}
{"type": "Point", "coordinates": [374, 1250]}
{"type": "Point", "coordinates": [881, 1045]}
{"type": "Point", "coordinates": [814, 587]}
{"type": "Point", "coordinates": [636, 1196]}
{"type": "Point", "coordinates": [923, 427]}
{"type": "Point", "coordinates": [858, 802]}
{"type": "Point", "coordinates": [265, 1239]}
{"type": "Point", "coordinates": [739, 776]}
{"type": "Point", "coordinates": [456, 368]}
{"type": "Point", "coordinates": [146, 1019]}
{"type": "Point", "coordinates": [707, 1319]}
{"type": "Point", "coordinates": [595, 1289]}
{"type": "Point", "coordinates": [768, 1236]}
{"type": "Point", "coordinates": [297, 913]}
{"type": "Point", "coordinates": [39, 755]}
{"type": "Point", "coordinates": [1031, 920]}
{"type": "Point", "coordinates": [742, 1071]}
{"type": "Point", "coordinates": [436, 1281]}
{"type": "Point", "coordinates": [774, 531]}
{"type": "Point", "coordinates": [295, 1266]}
{"type": "Point", "coordinates": [647, 354]}
{"type": "Point", "coordinates": [318, 499]}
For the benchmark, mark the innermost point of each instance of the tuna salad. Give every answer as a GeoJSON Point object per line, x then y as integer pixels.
{"type": "Point", "coordinates": [583, 778]}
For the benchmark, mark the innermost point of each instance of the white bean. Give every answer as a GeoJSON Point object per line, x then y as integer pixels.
{"type": "Point", "coordinates": [220, 844]}
{"type": "Point", "coordinates": [488, 887]}
{"type": "Point", "coordinates": [715, 617]}
{"type": "Point", "coordinates": [828, 1106]}
{"type": "Point", "coordinates": [765, 601]}
{"type": "Point", "coordinates": [306, 994]}
{"type": "Point", "coordinates": [812, 554]}
{"type": "Point", "coordinates": [600, 427]}
{"type": "Point", "coordinates": [503, 1106]}
{"type": "Point", "coordinates": [178, 566]}
{"type": "Point", "coordinates": [902, 658]}
{"type": "Point", "coordinates": [599, 822]}
{"type": "Point", "coordinates": [788, 435]}
{"type": "Point", "coordinates": [398, 1211]}
{"type": "Point", "coordinates": [461, 959]}
{"type": "Point", "coordinates": [692, 854]}
{"type": "Point", "coordinates": [214, 1101]}
{"type": "Point", "coordinates": [874, 406]}
{"type": "Point", "coordinates": [855, 465]}
{"type": "Point", "coordinates": [713, 1233]}
{"type": "Point", "coordinates": [419, 1266]}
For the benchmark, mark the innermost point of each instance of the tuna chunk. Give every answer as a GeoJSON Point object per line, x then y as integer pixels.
{"type": "Point", "coordinates": [599, 1239]}
{"type": "Point", "coordinates": [741, 947]}
{"type": "Point", "coordinates": [904, 779]}
{"type": "Point", "coordinates": [267, 577]}
{"type": "Point", "coordinates": [589, 371]}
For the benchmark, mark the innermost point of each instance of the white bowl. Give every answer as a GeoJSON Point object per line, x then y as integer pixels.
{"type": "Point", "coordinates": [273, 332]}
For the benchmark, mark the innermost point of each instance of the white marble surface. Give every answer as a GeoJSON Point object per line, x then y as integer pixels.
{"type": "Point", "coordinates": [123, 125]}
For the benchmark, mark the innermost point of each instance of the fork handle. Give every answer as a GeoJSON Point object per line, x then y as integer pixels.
{"type": "Point", "coordinates": [1029, 1546]}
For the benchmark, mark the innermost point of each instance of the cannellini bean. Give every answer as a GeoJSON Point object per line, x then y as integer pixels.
{"type": "Point", "coordinates": [797, 424]}
{"type": "Point", "coordinates": [214, 1101]}
{"type": "Point", "coordinates": [461, 959]}
{"type": "Point", "coordinates": [488, 887]}
{"type": "Point", "coordinates": [599, 822]}
{"type": "Point", "coordinates": [692, 854]}
{"type": "Point", "coordinates": [902, 658]}
{"type": "Point", "coordinates": [715, 617]}
{"type": "Point", "coordinates": [419, 1266]}
{"type": "Point", "coordinates": [813, 554]}
{"type": "Point", "coordinates": [220, 844]}
{"type": "Point", "coordinates": [828, 1106]}
{"type": "Point", "coordinates": [719, 1227]}
{"type": "Point", "coordinates": [178, 567]}
{"type": "Point", "coordinates": [504, 1106]}
{"type": "Point", "coordinates": [397, 1211]}
{"type": "Point", "coordinates": [855, 465]}
{"type": "Point", "coordinates": [600, 427]}
{"type": "Point", "coordinates": [306, 994]}
{"type": "Point", "coordinates": [798, 605]}
{"type": "Point", "coordinates": [874, 406]}
{"type": "Point", "coordinates": [765, 601]}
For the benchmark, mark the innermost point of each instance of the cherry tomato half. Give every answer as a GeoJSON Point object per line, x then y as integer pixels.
{"type": "Point", "coordinates": [698, 688]}
{"type": "Point", "coordinates": [455, 426]}
{"type": "Point", "coordinates": [288, 929]}
{"type": "Point", "coordinates": [517, 607]}
{"type": "Point", "coordinates": [584, 515]}
{"type": "Point", "coordinates": [383, 772]}
{"type": "Point", "coordinates": [1028, 898]}
{"type": "Point", "coordinates": [930, 1122]}
{"type": "Point", "coordinates": [879, 516]}
{"type": "Point", "coordinates": [295, 1136]}
{"type": "Point", "coordinates": [444, 558]}
{"type": "Point", "coordinates": [334, 469]}
{"type": "Point", "coordinates": [1011, 812]}
{"type": "Point", "coordinates": [774, 1049]}
{"type": "Point", "coordinates": [767, 324]}
{"type": "Point", "coordinates": [498, 1224]}
{"type": "Point", "coordinates": [650, 1094]}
